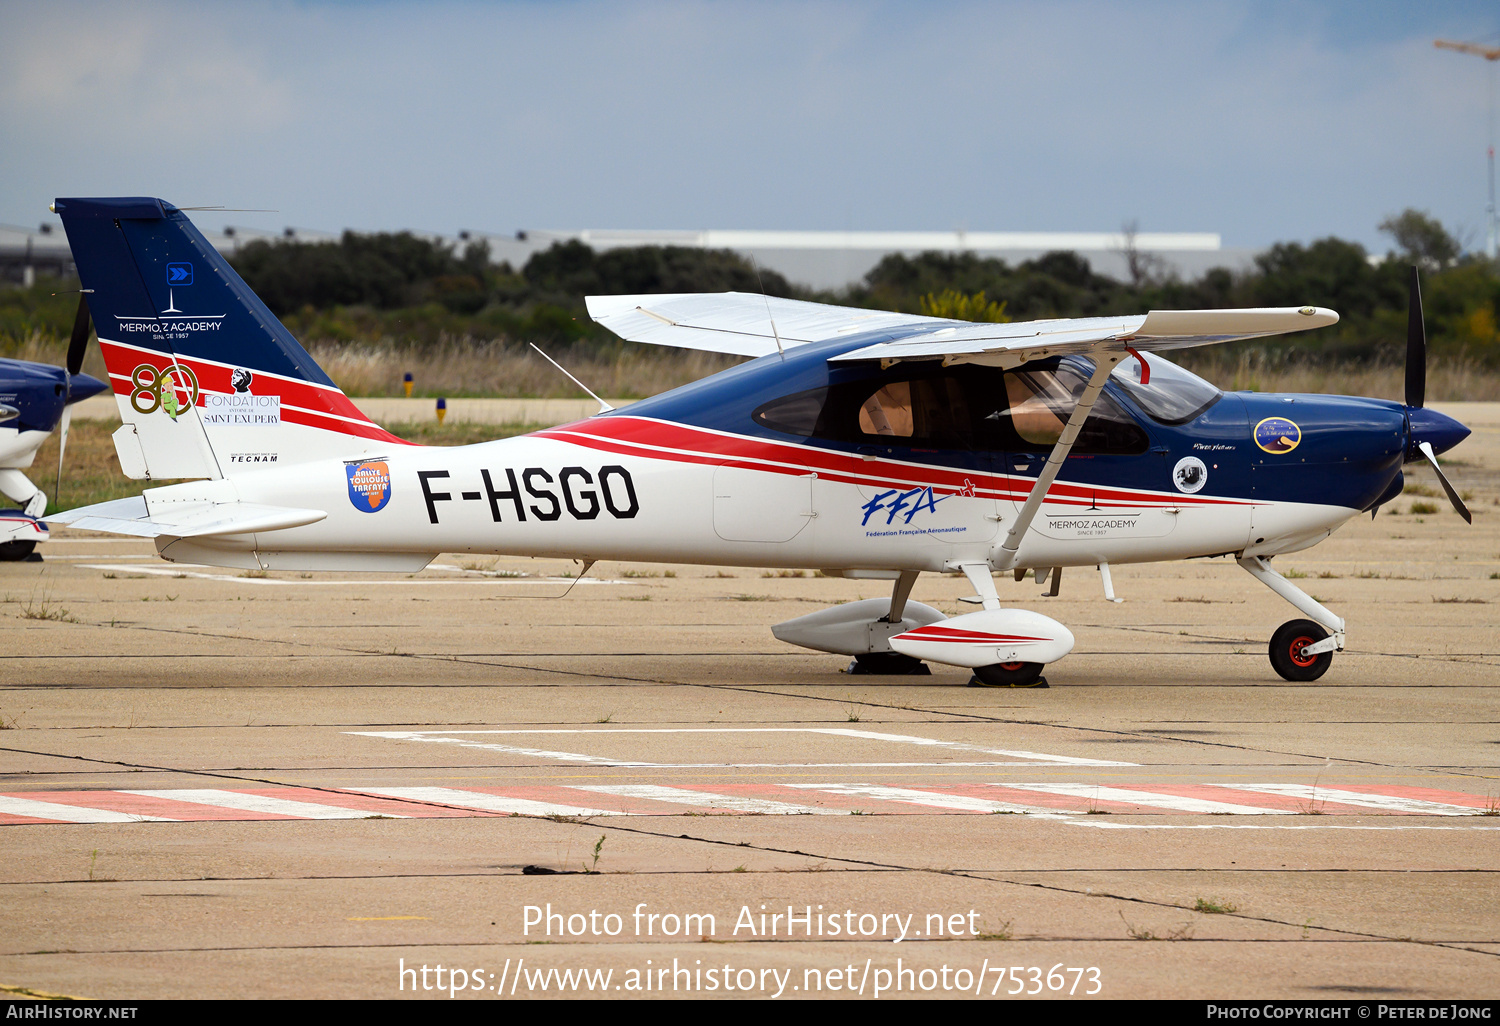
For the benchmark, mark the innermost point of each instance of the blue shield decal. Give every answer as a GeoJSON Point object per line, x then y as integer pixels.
{"type": "Point", "coordinates": [369, 485]}
{"type": "Point", "coordinates": [179, 274]}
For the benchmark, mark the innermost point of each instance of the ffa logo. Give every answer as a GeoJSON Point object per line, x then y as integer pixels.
{"type": "Point", "coordinates": [369, 485]}
{"type": "Point", "coordinates": [1277, 435]}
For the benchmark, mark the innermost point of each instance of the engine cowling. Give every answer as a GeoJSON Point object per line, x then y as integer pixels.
{"type": "Point", "coordinates": [987, 637]}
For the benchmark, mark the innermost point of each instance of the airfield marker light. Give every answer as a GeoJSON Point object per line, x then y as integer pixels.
{"type": "Point", "coordinates": [442, 409]}
{"type": "Point", "coordinates": [406, 383]}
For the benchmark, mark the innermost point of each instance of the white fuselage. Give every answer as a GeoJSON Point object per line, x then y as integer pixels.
{"type": "Point", "coordinates": [547, 496]}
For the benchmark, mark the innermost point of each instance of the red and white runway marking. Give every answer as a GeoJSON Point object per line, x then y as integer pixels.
{"type": "Point", "coordinates": [1052, 800]}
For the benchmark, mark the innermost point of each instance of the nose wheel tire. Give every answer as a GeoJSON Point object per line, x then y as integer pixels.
{"type": "Point", "coordinates": [1010, 675]}
{"type": "Point", "coordinates": [13, 551]}
{"type": "Point", "coordinates": [1286, 651]}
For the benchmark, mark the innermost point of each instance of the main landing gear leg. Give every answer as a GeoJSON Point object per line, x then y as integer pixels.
{"type": "Point", "coordinates": [1301, 650]}
{"type": "Point", "coordinates": [893, 663]}
{"type": "Point", "coordinates": [999, 675]}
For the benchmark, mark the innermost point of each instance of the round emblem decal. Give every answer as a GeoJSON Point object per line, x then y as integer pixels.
{"type": "Point", "coordinates": [1190, 475]}
{"type": "Point", "coordinates": [1277, 435]}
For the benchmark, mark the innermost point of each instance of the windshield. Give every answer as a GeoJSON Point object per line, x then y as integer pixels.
{"type": "Point", "coordinates": [1170, 395]}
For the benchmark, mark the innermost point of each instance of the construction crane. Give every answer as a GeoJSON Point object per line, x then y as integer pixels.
{"type": "Point", "coordinates": [1491, 54]}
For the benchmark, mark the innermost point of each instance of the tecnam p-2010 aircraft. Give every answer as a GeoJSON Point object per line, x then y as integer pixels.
{"type": "Point", "coordinates": [861, 443]}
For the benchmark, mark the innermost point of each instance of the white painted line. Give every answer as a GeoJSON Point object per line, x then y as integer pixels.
{"type": "Point", "coordinates": [1151, 798]}
{"type": "Point", "coordinates": [1066, 760]}
{"type": "Point", "coordinates": [103, 555]}
{"type": "Point", "coordinates": [480, 800]}
{"type": "Point", "coordinates": [260, 803]}
{"type": "Point", "coordinates": [1097, 825]}
{"type": "Point", "coordinates": [1390, 803]}
{"type": "Point", "coordinates": [705, 799]}
{"type": "Point", "coordinates": [1037, 758]}
{"type": "Point", "coordinates": [71, 813]}
{"type": "Point", "coordinates": [162, 571]}
{"type": "Point", "coordinates": [541, 753]}
{"type": "Point", "coordinates": [939, 801]}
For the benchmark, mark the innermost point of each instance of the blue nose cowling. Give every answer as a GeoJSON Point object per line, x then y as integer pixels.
{"type": "Point", "coordinates": [1437, 429]}
{"type": "Point", "coordinates": [83, 386]}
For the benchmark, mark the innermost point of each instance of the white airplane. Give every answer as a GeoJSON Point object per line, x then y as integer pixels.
{"type": "Point", "coordinates": [864, 444]}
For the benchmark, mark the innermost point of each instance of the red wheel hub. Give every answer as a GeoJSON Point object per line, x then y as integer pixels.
{"type": "Point", "coordinates": [1298, 644]}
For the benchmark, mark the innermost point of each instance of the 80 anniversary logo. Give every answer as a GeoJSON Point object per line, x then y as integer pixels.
{"type": "Point", "coordinates": [173, 389]}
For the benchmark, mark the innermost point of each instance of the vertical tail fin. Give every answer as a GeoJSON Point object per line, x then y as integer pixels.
{"type": "Point", "coordinates": [206, 378]}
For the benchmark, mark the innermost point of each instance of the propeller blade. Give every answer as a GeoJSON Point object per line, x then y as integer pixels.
{"type": "Point", "coordinates": [1416, 345]}
{"type": "Point", "coordinates": [80, 340]}
{"type": "Point", "coordinates": [1425, 448]}
{"type": "Point", "coordinates": [62, 447]}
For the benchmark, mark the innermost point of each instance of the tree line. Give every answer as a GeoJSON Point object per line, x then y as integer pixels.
{"type": "Point", "coordinates": [413, 290]}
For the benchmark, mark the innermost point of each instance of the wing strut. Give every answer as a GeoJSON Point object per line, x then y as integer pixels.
{"type": "Point", "coordinates": [1104, 363]}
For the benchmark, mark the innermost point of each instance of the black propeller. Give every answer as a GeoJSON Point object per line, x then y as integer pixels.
{"type": "Point", "coordinates": [1416, 345]}
{"type": "Point", "coordinates": [1416, 394]}
{"type": "Point", "coordinates": [80, 340]}
{"type": "Point", "coordinates": [77, 346]}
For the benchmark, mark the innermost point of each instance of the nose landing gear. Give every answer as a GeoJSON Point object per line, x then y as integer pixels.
{"type": "Point", "coordinates": [1289, 655]}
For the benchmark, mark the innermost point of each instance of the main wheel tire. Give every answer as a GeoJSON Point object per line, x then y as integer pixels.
{"type": "Point", "coordinates": [15, 551]}
{"type": "Point", "coordinates": [888, 664]}
{"type": "Point", "coordinates": [1286, 651]}
{"type": "Point", "coordinates": [1009, 675]}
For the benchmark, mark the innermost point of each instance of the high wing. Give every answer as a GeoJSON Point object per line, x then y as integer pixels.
{"type": "Point", "coordinates": [185, 520]}
{"type": "Point", "coordinates": [745, 324]}
{"type": "Point", "coordinates": [1015, 343]}
{"type": "Point", "coordinates": [740, 323]}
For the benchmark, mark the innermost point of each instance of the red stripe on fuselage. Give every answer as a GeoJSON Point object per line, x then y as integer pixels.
{"type": "Point", "coordinates": [659, 439]}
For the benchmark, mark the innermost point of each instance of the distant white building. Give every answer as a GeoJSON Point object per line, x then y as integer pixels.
{"type": "Point", "coordinates": [834, 260]}
{"type": "Point", "coordinates": [820, 260]}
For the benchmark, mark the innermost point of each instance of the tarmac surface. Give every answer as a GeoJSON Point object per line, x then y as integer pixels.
{"type": "Point", "coordinates": [219, 784]}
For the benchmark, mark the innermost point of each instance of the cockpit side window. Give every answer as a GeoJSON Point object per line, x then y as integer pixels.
{"type": "Point", "coordinates": [929, 407]}
{"type": "Point", "coordinates": [1040, 401]}
{"type": "Point", "coordinates": [794, 414]}
{"type": "Point", "coordinates": [1170, 395]}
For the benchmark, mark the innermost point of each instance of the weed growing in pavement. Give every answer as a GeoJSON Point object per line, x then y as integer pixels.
{"type": "Point", "coordinates": [1183, 932]}
{"type": "Point", "coordinates": [1214, 906]}
{"type": "Point", "coordinates": [593, 867]}
{"type": "Point", "coordinates": [46, 609]}
{"type": "Point", "coordinates": [606, 718]}
{"type": "Point", "coordinates": [1491, 807]}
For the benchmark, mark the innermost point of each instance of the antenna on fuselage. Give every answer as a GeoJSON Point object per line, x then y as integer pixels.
{"type": "Point", "coordinates": [767, 299]}
{"type": "Point", "coordinates": [604, 407]}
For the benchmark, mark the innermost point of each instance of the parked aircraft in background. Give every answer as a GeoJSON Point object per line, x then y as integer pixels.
{"type": "Point", "coordinates": [35, 399]}
{"type": "Point", "coordinates": [861, 443]}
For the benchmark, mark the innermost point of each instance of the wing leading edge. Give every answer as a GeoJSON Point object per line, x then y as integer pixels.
{"type": "Point", "coordinates": [740, 323]}
{"type": "Point", "coordinates": [1009, 345]}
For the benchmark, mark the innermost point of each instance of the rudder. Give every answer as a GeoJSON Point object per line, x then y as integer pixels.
{"type": "Point", "coordinates": [207, 379]}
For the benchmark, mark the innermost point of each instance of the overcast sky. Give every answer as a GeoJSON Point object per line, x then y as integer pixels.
{"type": "Point", "coordinates": [1263, 121]}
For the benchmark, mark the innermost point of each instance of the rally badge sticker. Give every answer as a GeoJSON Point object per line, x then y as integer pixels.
{"type": "Point", "coordinates": [1277, 435]}
{"type": "Point", "coordinates": [369, 485]}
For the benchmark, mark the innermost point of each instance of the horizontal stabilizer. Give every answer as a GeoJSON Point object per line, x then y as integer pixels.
{"type": "Point", "coordinates": [189, 520]}
{"type": "Point", "coordinates": [739, 323]}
